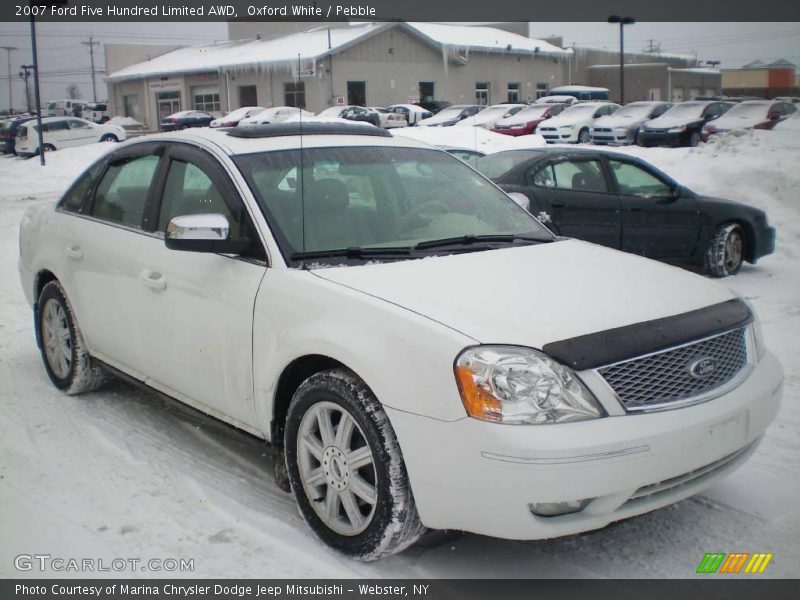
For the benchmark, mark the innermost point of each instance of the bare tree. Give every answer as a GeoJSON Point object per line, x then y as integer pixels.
{"type": "Point", "coordinates": [74, 91]}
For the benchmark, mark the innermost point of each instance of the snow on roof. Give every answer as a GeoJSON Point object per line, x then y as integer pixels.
{"type": "Point", "coordinates": [483, 38]}
{"type": "Point", "coordinates": [782, 62]}
{"type": "Point", "coordinates": [283, 53]}
{"type": "Point", "coordinates": [700, 70]}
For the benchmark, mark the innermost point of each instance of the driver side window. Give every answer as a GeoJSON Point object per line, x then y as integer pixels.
{"type": "Point", "coordinates": [632, 180]}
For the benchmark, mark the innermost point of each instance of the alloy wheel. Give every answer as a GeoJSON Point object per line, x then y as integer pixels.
{"type": "Point", "coordinates": [57, 338]}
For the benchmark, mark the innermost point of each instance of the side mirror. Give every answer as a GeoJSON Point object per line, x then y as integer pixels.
{"type": "Point", "coordinates": [520, 199]}
{"type": "Point", "coordinates": [202, 233]}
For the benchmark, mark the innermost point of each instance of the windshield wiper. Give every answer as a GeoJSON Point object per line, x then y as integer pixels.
{"type": "Point", "coordinates": [355, 252]}
{"type": "Point", "coordinates": [469, 240]}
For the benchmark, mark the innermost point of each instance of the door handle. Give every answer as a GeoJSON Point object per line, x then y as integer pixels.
{"type": "Point", "coordinates": [73, 251]}
{"type": "Point", "coordinates": [636, 208]}
{"type": "Point", "coordinates": [557, 204]}
{"type": "Point", "coordinates": [153, 279]}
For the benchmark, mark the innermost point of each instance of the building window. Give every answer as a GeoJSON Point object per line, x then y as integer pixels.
{"type": "Point", "coordinates": [357, 93]}
{"type": "Point", "coordinates": [482, 93]}
{"type": "Point", "coordinates": [513, 93]}
{"type": "Point", "coordinates": [542, 89]}
{"type": "Point", "coordinates": [248, 96]}
{"type": "Point", "coordinates": [295, 94]}
{"type": "Point", "coordinates": [206, 100]}
{"type": "Point", "coordinates": [130, 106]}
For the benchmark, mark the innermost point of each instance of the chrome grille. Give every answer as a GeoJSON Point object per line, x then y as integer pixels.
{"type": "Point", "coordinates": [677, 374]}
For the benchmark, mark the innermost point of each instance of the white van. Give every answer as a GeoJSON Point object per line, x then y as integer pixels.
{"type": "Point", "coordinates": [63, 132]}
{"type": "Point", "coordinates": [70, 108]}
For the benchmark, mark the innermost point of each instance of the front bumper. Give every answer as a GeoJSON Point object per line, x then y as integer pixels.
{"type": "Point", "coordinates": [660, 138]}
{"type": "Point", "coordinates": [482, 477]}
{"type": "Point", "coordinates": [513, 132]}
{"type": "Point", "coordinates": [559, 136]}
{"type": "Point", "coordinates": [612, 137]}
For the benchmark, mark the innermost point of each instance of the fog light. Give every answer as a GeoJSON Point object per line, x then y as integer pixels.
{"type": "Point", "coordinates": [555, 509]}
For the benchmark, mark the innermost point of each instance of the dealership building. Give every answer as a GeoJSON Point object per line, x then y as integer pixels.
{"type": "Point", "coordinates": [318, 65]}
{"type": "Point", "coordinates": [370, 64]}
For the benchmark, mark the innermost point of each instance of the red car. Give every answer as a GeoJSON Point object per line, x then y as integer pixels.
{"type": "Point", "coordinates": [525, 121]}
{"type": "Point", "coordinates": [751, 114]}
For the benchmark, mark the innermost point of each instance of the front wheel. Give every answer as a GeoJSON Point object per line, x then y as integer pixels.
{"type": "Point", "coordinates": [109, 137]}
{"type": "Point", "coordinates": [64, 352]}
{"type": "Point", "coordinates": [726, 251]}
{"type": "Point", "coordinates": [346, 469]}
{"type": "Point", "coordinates": [48, 148]}
{"type": "Point", "coordinates": [584, 137]}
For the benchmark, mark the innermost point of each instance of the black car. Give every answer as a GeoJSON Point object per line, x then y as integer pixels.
{"type": "Point", "coordinates": [681, 125]}
{"type": "Point", "coordinates": [623, 202]}
{"type": "Point", "coordinates": [186, 118]}
{"type": "Point", "coordinates": [8, 134]}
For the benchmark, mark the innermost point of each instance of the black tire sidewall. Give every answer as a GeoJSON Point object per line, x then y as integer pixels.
{"type": "Point", "coordinates": [338, 392]}
{"type": "Point", "coordinates": [53, 291]}
{"type": "Point", "coordinates": [584, 133]}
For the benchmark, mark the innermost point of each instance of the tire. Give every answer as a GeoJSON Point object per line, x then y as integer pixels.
{"type": "Point", "coordinates": [725, 253]}
{"type": "Point", "coordinates": [109, 137]}
{"type": "Point", "coordinates": [584, 137]}
{"type": "Point", "coordinates": [377, 519]}
{"type": "Point", "coordinates": [694, 139]}
{"type": "Point", "coordinates": [48, 148]}
{"type": "Point", "coordinates": [64, 352]}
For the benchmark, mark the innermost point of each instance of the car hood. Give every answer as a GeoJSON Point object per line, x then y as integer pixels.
{"type": "Point", "coordinates": [734, 122]}
{"type": "Point", "coordinates": [533, 295]}
{"type": "Point", "coordinates": [612, 122]}
{"type": "Point", "coordinates": [573, 120]}
{"type": "Point", "coordinates": [668, 122]}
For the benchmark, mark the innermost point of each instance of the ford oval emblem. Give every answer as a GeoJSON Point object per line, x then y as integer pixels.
{"type": "Point", "coordinates": [703, 367]}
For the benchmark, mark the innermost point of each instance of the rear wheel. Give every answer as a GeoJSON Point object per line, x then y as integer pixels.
{"type": "Point", "coordinates": [726, 251]}
{"type": "Point", "coordinates": [48, 147]}
{"type": "Point", "coordinates": [584, 137]}
{"type": "Point", "coordinates": [109, 137]}
{"type": "Point", "coordinates": [64, 352]}
{"type": "Point", "coordinates": [346, 470]}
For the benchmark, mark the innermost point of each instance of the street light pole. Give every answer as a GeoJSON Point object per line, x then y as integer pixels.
{"type": "Point", "coordinates": [622, 22]}
{"type": "Point", "coordinates": [8, 50]}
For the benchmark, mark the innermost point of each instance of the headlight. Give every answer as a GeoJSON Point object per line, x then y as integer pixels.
{"type": "Point", "coordinates": [515, 385]}
{"type": "Point", "coordinates": [677, 129]}
{"type": "Point", "coordinates": [755, 330]}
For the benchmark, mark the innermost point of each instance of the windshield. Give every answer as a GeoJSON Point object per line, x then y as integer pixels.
{"type": "Point", "coordinates": [531, 113]}
{"type": "Point", "coordinates": [448, 113]}
{"type": "Point", "coordinates": [496, 165]}
{"type": "Point", "coordinates": [377, 198]}
{"type": "Point", "coordinates": [749, 111]}
{"type": "Point", "coordinates": [635, 111]}
{"type": "Point", "coordinates": [689, 110]}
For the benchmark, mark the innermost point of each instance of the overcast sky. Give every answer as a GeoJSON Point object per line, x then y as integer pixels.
{"type": "Point", "coordinates": [64, 60]}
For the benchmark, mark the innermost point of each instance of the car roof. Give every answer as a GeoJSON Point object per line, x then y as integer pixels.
{"type": "Point", "coordinates": [230, 145]}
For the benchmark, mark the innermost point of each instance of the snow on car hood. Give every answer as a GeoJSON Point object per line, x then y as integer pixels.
{"type": "Point", "coordinates": [533, 295]}
{"type": "Point", "coordinates": [612, 121]}
{"type": "Point", "coordinates": [574, 119]}
{"type": "Point", "coordinates": [666, 122]}
{"type": "Point", "coordinates": [734, 122]}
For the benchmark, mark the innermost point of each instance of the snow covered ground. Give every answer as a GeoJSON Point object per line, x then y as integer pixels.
{"type": "Point", "coordinates": [119, 474]}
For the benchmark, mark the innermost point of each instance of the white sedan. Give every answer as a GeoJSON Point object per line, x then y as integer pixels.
{"type": "Point", "coordinates": [574, 124]}
{"type": "Point", "coordinates": [64, 132]}
{"type": "Point", "coordinates": [233, 118]}
{"type": "Point", "coordinates": [277, 284]}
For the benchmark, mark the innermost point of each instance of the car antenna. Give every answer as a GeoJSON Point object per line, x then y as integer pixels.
{"type": "Point", "coordinates": [301, 179]}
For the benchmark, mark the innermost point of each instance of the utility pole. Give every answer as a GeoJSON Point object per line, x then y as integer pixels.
{"type": "Point", "coordinates": [8, 50]}
{"type": "Point", "coordinates": [25, 73]}
{"type": "Point", "coordinates": [91, 43]}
